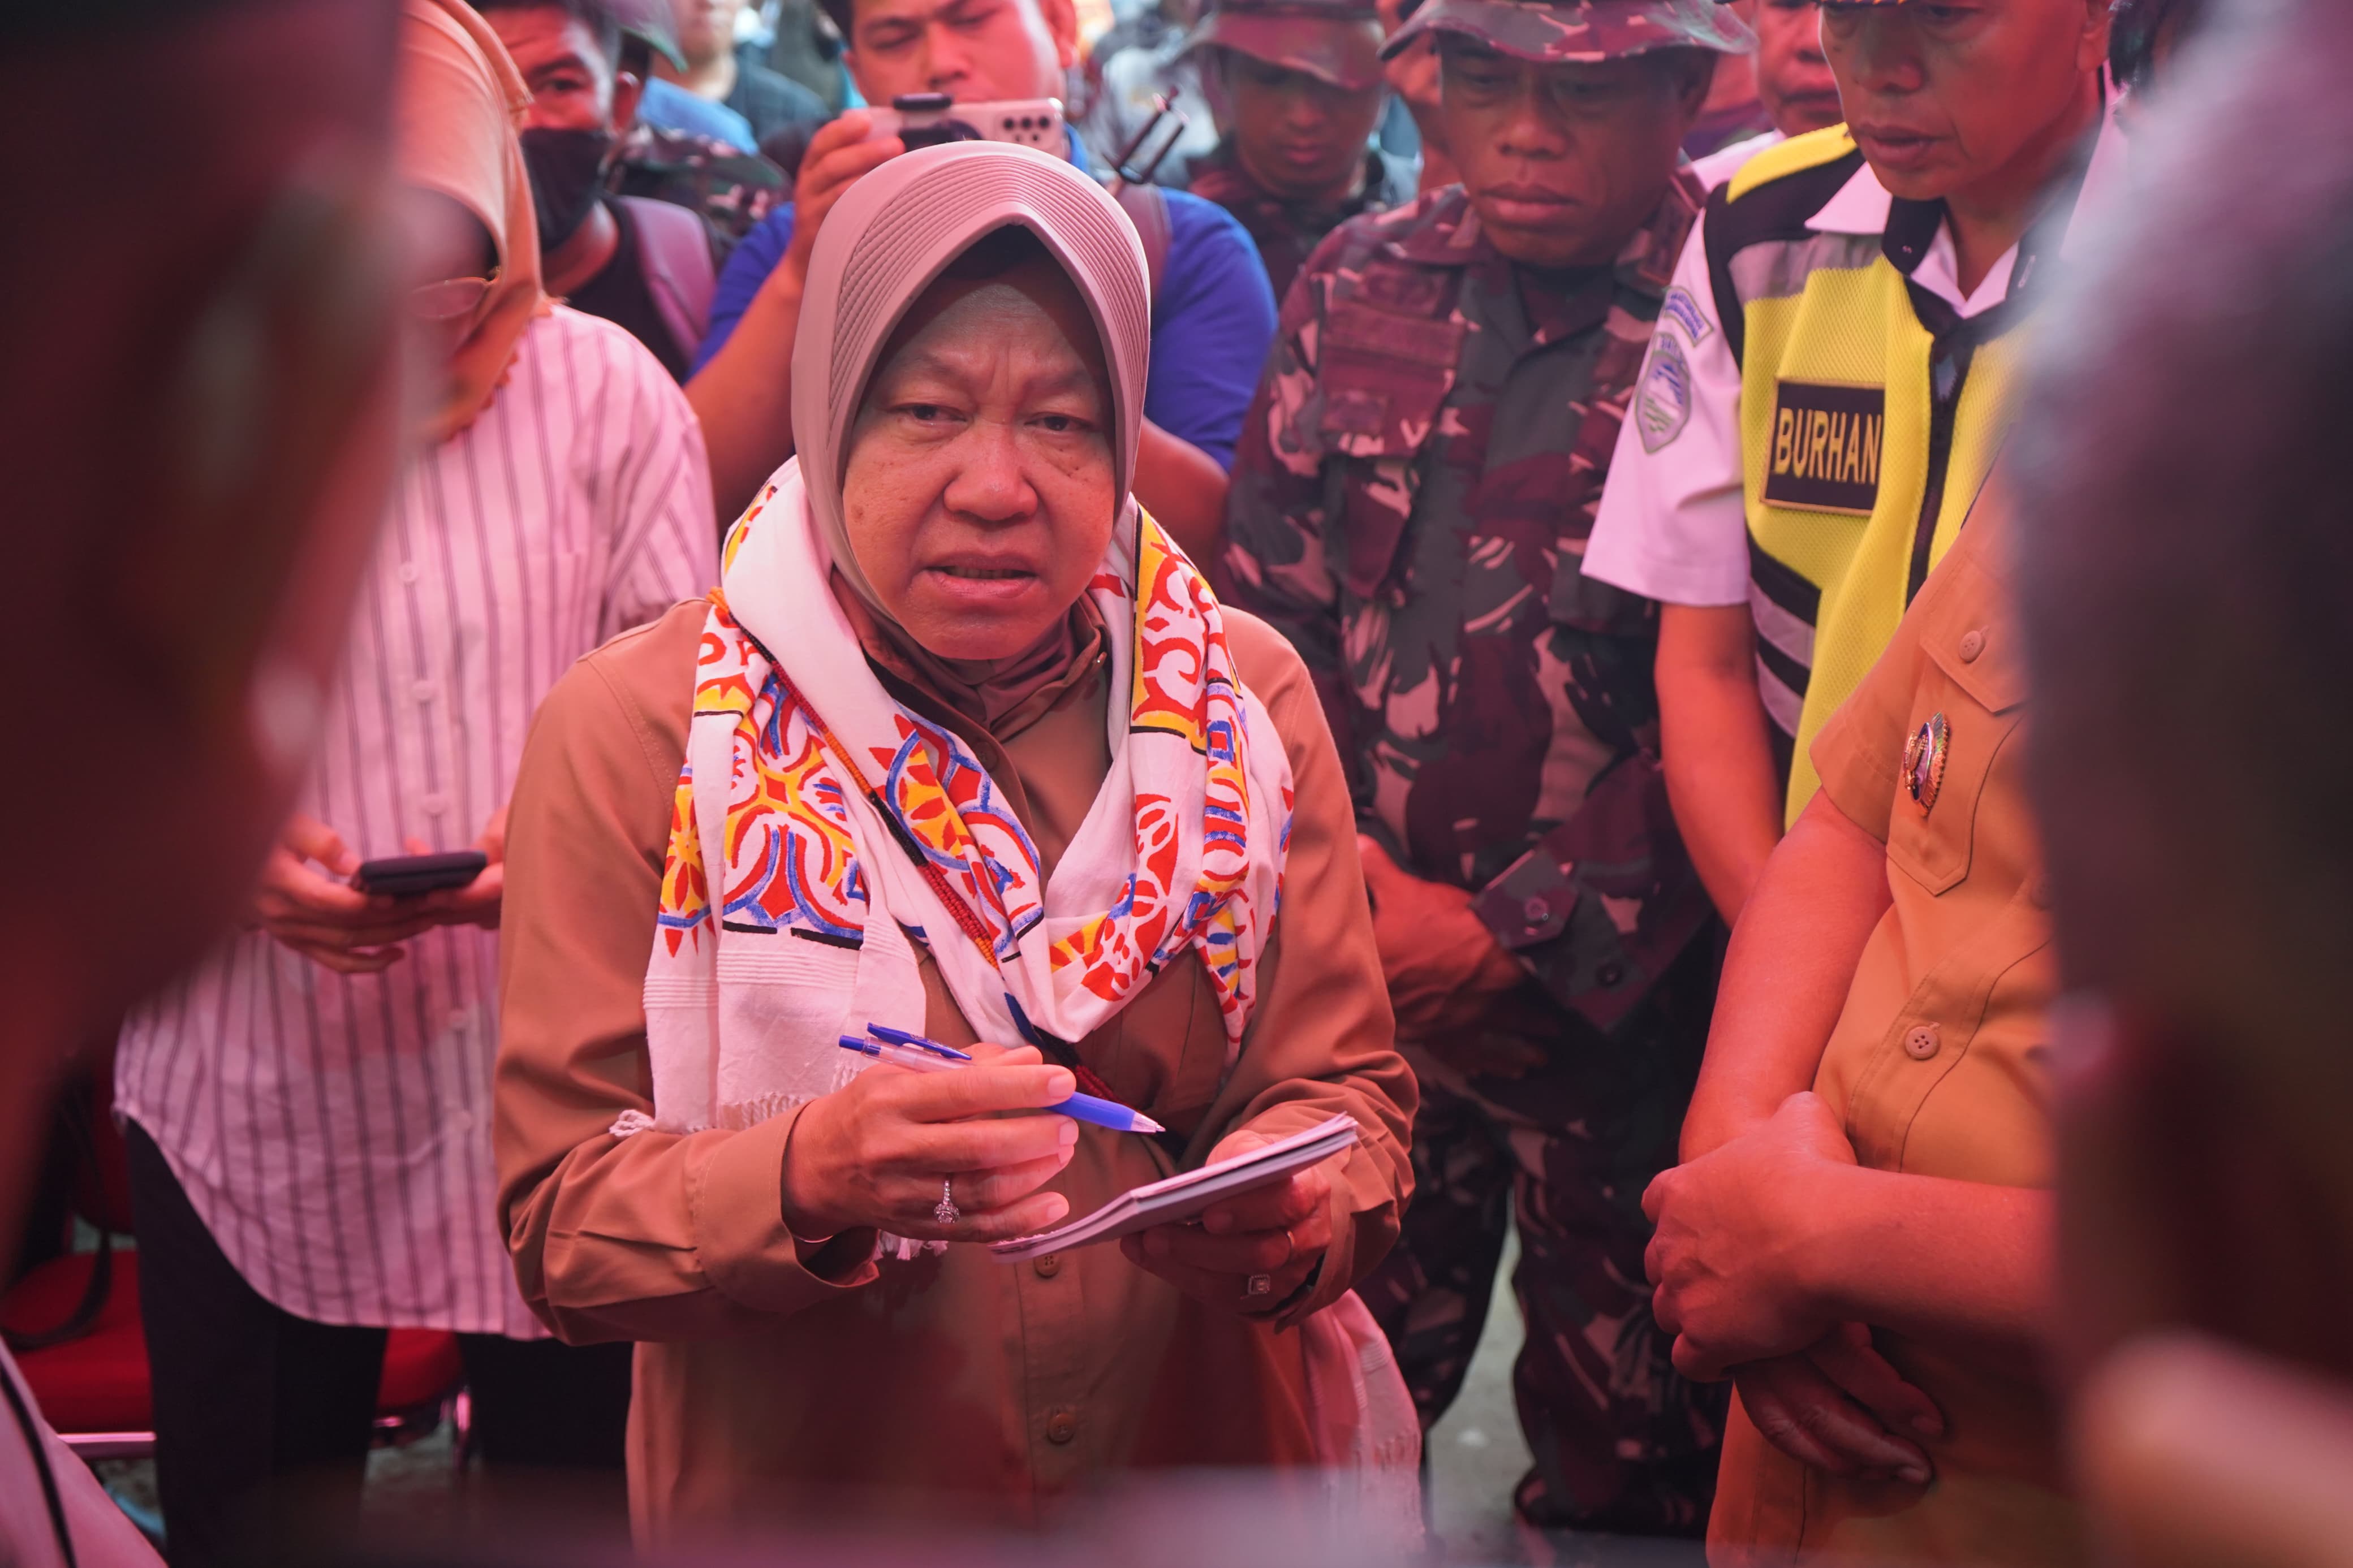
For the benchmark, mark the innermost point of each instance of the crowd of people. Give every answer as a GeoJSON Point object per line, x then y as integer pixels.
{"type": "Point", "coordinates": [1713, 620]}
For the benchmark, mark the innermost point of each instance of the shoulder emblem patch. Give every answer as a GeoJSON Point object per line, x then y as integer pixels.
{"type": "Point", "coordinates": [1663, 406]}
{"type": "Point", "coordinates": [1825, 450]}
{"type": "Point", "coordinates": [1680, 308]}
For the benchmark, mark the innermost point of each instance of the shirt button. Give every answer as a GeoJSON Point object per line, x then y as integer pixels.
{"type": "Point", "coordinates": [1920, 1041]}
{"type": "Point", "coordinates": [2039, 890]}
{"type": "Point", "coordinates": [422, 691]}
{"type": "Point", "coordinates": [463, 1121]}
{"type": "Point", "coordinates": [1609, 974]}
{"type": "Point", "coordinates": [460, 1017]}
{"type": "Point", "coordinates": [1972, 645]}
{"type": "Point", "coordinates": [409, 571]}
{"type": "Point", "coordinates": [435, 805]}
{"type": "Point", "coordinates": [1536, 910]}
{"type": "Point", "coordinates": [1061, 1425]}
{"type": "Point", "coordinates": [1048, 1266]}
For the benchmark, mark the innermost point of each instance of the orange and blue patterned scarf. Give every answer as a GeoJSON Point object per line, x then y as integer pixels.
{"type": "Point", "coordinates": [821, 830]}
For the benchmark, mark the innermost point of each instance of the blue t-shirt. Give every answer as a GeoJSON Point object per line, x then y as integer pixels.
{"type": "Point", "coordinates": [673, 108]}
{"type": "Point", "coordinates": [1211, 326]}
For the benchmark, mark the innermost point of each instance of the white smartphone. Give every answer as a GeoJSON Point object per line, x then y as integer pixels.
{"type": "Point", "coordinates": [931, 119]}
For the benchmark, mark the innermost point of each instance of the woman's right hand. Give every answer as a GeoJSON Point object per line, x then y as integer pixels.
{"type": "Point", "coordinates": [875, 1153]}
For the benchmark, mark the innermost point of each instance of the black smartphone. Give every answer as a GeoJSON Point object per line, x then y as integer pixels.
{"type": "Point", "coordinates": [414, 876]}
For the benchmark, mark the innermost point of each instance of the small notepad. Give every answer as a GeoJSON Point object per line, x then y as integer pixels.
{"type": "Point", "coordinates": [1183, 1197]}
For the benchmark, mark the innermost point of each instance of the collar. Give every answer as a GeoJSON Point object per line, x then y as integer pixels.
{"type": "Point", "coordinates": [1919, 241]}
{"type": "Point", "coordinates": [1861, 206]}
{"type": "Point", "coordinates": [1222, 177]}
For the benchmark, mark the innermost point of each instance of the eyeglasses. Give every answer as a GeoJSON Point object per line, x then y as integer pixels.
{"type": "Point", "coordinates": [450, 300]}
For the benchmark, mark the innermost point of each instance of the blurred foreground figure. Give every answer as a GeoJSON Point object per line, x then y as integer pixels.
{"type": "Point", "coordinates": [2188, 566]}
{"type": "Point", "coordinates": [196, 438]}
{"type": "Point", "coordinates": [309, 1112]}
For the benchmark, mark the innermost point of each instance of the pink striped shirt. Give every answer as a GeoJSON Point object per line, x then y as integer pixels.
{"type": "Point", "coordinates": [334, 1130]}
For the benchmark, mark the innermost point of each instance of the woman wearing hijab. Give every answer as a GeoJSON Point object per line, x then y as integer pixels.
{"type": "Point", "coordinates": [309, 1110]}
{"type": "Point", "coordinates": [946, 628]}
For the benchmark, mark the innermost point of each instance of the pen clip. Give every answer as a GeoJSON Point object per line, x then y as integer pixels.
{"type": "Point", "coordinates": [903, 1038]}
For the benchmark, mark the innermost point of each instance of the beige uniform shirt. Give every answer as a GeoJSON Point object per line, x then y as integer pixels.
{"type": "Point", "coordinates": [1938, 1066]}
{"type": "Point", "coordinates": [953, 1383]}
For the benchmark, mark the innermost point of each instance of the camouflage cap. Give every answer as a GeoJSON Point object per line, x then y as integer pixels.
{"type": "Point", "coordinates": [1586, 31]}
{"type": "Point", "coordinates": [1338, 41]}
{"type": "Point", "coordinates": [650, 22]}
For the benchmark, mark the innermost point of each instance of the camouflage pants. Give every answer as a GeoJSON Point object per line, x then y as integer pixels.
{"type": "Point", "coordinates": [1568, 1135]}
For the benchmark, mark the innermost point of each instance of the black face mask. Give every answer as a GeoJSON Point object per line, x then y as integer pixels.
{"type": "Point", "coordinates": [567, 170]}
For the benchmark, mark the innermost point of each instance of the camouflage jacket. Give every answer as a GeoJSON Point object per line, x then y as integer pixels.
{"type": "Point", "coordinates": [1286, 232]}
{"type": "Point", "coordinates": [1417, 478]}
{"type": "Point", "coordinates": [734, 189]}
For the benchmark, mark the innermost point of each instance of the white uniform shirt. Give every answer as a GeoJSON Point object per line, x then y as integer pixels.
{"type": "Point", "coordinates": [334, 1130]}
{"type": "Point", "coordinates": [1673, 524]}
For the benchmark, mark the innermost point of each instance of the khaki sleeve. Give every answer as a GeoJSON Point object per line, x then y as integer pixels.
{"type": "Point", "coordinates": [1320, 1041]}
{"type": "Point", "coordinates": [1860, 751]}
{"type": "Point", "coordinates": [656, 1235]}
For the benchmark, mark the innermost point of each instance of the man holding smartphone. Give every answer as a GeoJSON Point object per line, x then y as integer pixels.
{"type": "Point", "coordinates": [1212, 312]}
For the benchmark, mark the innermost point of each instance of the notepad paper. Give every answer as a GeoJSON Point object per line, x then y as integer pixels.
{"type": "Point", "coordinates": [1183, 1197]}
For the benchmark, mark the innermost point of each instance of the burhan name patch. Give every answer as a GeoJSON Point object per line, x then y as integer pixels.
{"type": "Point", "coordinates": [1825, 447]}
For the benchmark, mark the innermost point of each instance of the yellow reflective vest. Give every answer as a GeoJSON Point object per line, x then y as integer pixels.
{"type": "Point", "coordinates": [1870, 410]}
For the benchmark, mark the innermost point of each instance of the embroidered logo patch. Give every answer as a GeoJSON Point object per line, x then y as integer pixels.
{"type": "Point", "coordinates": [1663, 405]}
{"type": "Point", "coordinates": [1825, 451]}
{"type": "Point", "coordinates": [1680, 308]}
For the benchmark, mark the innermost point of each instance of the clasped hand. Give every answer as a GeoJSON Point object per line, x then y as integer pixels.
{"type": "Point", "coordinates": [317, 912]}
{"type": "Point", "coordinates": [1732, 1263]}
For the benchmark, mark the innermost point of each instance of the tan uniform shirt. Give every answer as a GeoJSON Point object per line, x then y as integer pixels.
{"type": "Point", "coordinates": [1937, 1068]}
{"type": "Point", "coordinates": [767, 1386]}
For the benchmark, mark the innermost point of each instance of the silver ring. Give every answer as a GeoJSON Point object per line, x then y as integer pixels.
{"type": "Point", "coordinates": [1259, 1285]}
{"type": "Point", "coordinates": [947, 1213]}
{"type": "Point", "coordinates": [1290, 1250]}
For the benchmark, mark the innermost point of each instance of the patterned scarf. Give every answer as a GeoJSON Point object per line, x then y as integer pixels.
{"type": "Point", "coordinates": [849, 827]}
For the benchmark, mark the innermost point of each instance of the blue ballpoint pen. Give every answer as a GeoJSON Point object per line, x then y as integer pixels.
{"type": "Point", "coordinates": [907, 1050]}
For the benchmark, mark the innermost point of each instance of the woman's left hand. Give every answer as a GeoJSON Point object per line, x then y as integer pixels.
{"type": "Point", "coordinates": [1280, 1232]}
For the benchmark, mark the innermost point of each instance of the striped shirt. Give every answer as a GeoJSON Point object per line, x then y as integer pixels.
{"type": "Point", "coordinates": [334, 1130]}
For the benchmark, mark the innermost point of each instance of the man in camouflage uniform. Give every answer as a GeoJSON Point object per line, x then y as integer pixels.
{"type": "Point", "coordinates": [1415, 485]}
{"type": "Point", "coordinates": [1298, 87]}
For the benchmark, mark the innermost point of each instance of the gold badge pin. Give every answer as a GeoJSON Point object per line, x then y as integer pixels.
{"type": "Point", "coordinates": [1923, 762]}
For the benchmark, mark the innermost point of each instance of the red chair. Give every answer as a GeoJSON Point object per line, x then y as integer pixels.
{"type": "Point", "coordinates": [93, 1386]}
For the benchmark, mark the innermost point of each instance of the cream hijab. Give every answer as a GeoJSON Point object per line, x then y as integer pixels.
{"type": "Point", "coordinates": [459, 105]}
{"type": "Point", "coordinates": [892, 236]}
